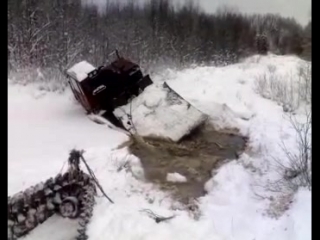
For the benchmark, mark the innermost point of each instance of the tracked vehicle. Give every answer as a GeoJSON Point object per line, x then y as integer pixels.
{"type": "Point", "coordinates": [121, 94]}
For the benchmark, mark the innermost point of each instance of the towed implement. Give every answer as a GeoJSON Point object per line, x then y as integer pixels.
{"type": "Point", "coordinates": [120, 94]}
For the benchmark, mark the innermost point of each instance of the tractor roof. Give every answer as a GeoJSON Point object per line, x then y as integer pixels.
{"type": "Point", "coordinates": [80, 70]}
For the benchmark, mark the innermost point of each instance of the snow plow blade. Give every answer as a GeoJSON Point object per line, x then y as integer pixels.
{"type": "Point", "coordinates": [129, 100]}
{"type": "Point", "coordinates": [160, 112]}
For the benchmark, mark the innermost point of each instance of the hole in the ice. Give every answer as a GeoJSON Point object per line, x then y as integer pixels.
{"type": "Point", "coordinates": [194, 157]}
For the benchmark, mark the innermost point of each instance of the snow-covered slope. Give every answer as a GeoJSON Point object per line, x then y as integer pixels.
{"type": "Point", "coordinates": [43, 127]}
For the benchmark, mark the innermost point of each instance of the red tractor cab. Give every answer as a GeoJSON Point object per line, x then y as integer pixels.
{"type": "Point", "coordinates": [106, 87]}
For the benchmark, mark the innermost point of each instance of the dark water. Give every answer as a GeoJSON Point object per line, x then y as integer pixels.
{"type": "Point", "coordinates": [193, 157]}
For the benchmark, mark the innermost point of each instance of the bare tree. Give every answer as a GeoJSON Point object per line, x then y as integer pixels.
{"type": "Point", "coordinates": [297, 172]}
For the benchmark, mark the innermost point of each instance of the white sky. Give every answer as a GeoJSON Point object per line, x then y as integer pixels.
{"type": "Point", "coordinates": [299, 9]}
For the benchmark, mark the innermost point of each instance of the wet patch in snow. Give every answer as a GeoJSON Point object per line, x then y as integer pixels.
{"type": "Point", "coordinates": [194, 157]}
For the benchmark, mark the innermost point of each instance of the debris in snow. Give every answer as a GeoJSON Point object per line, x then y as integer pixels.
{"type": "Point", "coordinates": [287, 108]}
{"type": "Point", "coordinates": [176, 177]}
{"type": "Point", "coordinates": [156, 217]}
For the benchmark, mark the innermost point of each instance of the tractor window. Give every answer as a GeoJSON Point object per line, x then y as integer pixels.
{"type": "Point", "coordinates": [76, 86]}
{"type": "Point", "coordinates": [73, 83]}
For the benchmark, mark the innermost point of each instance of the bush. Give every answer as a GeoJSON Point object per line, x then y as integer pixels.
{"type": "Point", "coordinates": [289, 91]}
{"type": "Point", "coordinates": [47, 79]}
{"type": "Point", "coordinates": [296, 172]}
{"type": "Point", "coordinates": [262, 44]}
{"type": "Point", "coordinates": [305, 83]}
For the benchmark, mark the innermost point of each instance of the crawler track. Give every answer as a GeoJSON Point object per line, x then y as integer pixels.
{"type": "Point", "coordinates": [70, 195]}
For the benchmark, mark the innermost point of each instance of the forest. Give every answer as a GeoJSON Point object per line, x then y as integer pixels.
{"type": "Point", "coordinates": [54, 34]}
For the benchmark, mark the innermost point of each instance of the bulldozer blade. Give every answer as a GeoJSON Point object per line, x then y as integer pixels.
{"type": "Point", "coordinates": [160, 111]}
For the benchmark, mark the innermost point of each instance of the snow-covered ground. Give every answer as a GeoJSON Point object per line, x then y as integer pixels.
{"type": "Point", "coordinates": [43, 127]}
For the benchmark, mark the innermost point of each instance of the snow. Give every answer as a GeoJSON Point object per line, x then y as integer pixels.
{"type": "Point", "coordinates": [43, 127]}
{"type": "Point", "coordinates": [80, 70]}
{"type": "Point", "coordinates": [67, 229]}
{"type": "Point", "coordinates": [300, 227]}
{"type": "Point", "coordinates": [161, 113]}
{"type": "Point", "coordinates": [176, 177]}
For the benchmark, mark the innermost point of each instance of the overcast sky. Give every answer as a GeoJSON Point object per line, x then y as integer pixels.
{"type": "Point", "coordinates": [299, 9]}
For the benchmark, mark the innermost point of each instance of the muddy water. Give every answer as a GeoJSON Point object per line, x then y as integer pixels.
{"type": "Point", "coordinates": [193, 157]}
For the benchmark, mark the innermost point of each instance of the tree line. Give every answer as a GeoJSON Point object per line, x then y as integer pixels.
{"type": "Point", "coordinates": [58, 33]}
